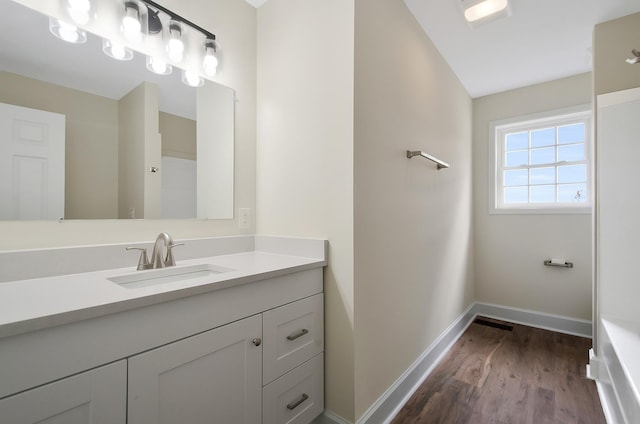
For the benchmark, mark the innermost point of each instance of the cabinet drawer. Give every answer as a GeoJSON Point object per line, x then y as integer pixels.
{"type": "Point", "coordinates": [297, 397]}
{"type": "Point", "coordinates": [292, 334]}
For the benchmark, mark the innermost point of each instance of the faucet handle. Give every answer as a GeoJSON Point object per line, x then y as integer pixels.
{"type": "Point", "coordinates": [170, 260]}
{"type": "Point", "coordinates": [143, 262]}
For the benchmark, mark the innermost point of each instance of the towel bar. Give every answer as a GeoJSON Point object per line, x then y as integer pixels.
{"type": "Point", "coordinates": [441, 164]}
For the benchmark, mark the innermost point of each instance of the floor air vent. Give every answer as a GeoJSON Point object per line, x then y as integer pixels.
{"type": "Point", "coordinates": [493, 324]}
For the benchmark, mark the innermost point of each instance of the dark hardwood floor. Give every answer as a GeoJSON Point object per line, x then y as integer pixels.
{"type": "Point", "coordinates": [494, 375]}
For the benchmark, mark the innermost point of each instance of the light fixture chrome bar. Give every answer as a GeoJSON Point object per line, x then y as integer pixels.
{"type": "Point", "coordinates": [441, 164]}
{"type": "Point", "coordinates": [177, 17]}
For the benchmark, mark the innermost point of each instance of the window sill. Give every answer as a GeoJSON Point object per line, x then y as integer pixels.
{"type": "Point", "coordinates": [581, 210]}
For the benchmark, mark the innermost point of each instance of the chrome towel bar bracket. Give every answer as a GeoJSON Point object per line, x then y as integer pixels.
{"type": "Point", "coordinates": [441, 164]}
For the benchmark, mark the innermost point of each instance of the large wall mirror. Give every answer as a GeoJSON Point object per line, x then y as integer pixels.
{"type": "Point", "coordinates": [130, 143]}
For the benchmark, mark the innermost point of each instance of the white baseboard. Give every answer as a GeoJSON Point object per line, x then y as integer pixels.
{"type": "Point", "coordinates": [392, 400]}
{"type": "Point", "coordinates": [558, 323]}
{"type": "Point", "coordinates": [593, 367]}
{"type": "Point", "coordinates": [388, 405]}
{"type": "Point", "coordinates": [328, 417]}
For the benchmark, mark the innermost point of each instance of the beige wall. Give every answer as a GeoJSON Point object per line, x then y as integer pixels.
{"type": "Point", "coordinates": [305, 155]}
{"type": "Point", "coordinates": [612, 44]}
{"type": "Point", "coordinates": [152, 154]}
{"type": "Point", "coordinates": [178, 136]}
{"type": "Point", "coordinates": [138, 151]}
{"type": "Point", "coordinates": [131, 153]}
{"type": "Point", "coordinates": [412, 255]}
{"type": "Point", "coordinates": [234, 22]}
{"type": "Point", "coordinates": [413, 235]}
{"type": "Point", "coordinates": [91, 149]}
{"type": "Point", "coordinates": [510, 249]}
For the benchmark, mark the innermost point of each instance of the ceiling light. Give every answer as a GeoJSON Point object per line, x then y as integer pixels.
{"type": "Point", "coordinates": [158, 66]}
{"type": "Point", "coordinates": [135, 24]}
{"type": "Point", "coordinates": [192, 79]}
{"type": "Point", "coordinates": [116, 50]}
{"type": "Point", "coordinates": [483, 10]}
{"type": "Point", "coordinates": [67, 32]}
{"type": "Point", "coordinates": [175, 46]}
{"type": "Point", "coordinates": [131, 25]}
{"type": "Point", "coordinates": [210, 61]}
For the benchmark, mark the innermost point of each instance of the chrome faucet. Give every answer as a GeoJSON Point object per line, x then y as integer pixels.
{"type": "Point", "coordinates": [159, 259]}
{"type": "Point", "coordinates": [163, 242]}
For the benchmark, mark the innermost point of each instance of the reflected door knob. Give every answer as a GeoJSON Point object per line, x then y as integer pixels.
{"type": "Point", "coordinates": [257, 341]}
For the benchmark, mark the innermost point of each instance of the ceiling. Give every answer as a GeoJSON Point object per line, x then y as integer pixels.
{"type": "Point", "coordinates": [541, 41]}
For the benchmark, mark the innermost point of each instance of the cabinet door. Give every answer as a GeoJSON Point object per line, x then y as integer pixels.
{"type": "Point", "coordinates": [96, 396]}
{"type": "Point", "coordinates": [212, 377]}
{"type": "Point", "coordinates": [293, 334]}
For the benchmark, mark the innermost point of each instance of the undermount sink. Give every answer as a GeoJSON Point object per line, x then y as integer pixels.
{"type": "Point", "coordinates": [167, 275]}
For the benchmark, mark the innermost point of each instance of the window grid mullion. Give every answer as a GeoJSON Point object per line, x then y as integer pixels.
{"type": "Point", "coordinates": [545, 165]}
{"type": "Point", "coordinates": [502, 160]}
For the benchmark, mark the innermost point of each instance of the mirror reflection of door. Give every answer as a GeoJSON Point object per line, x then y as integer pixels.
{"type": "Point", "coordinates": [32, 155]}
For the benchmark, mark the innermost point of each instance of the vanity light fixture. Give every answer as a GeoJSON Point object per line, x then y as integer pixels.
{"type": "Point", "coordinates": [210, 61]}
{"type": "Point", "coordinates": [164, 37]}
{"type": "Point", "coordinates": [158, 66]}
{"type": "Point", "coordinates": [79, 11]}
{"type": "Point", "coordinates": [154, 22]}
{"type": "Point", "coordinates": [116, 50]}
{"type": "Point", "coordinates": [175, 45]}
{"type": "Point", "coordinates": [481, 11]}
{"type": "Point", "coordinates": [67, 32]}
{"type": "Point", "coordinates": [131, 23]}
{"type": "Point", "coordinates": [192, 79]}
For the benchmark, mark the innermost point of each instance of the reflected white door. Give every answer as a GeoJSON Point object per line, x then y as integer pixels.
{"type": "Point", "coordinates": [178, 190]}
{"type": "Point", "coordinates": [31, 163]}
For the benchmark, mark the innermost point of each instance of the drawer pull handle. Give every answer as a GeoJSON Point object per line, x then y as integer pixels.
{"type": "Point", "coordinates": [298, 334]}
{"type": "Point", "coordinates": [294, 405]}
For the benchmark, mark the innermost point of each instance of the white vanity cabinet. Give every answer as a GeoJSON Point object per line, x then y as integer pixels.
{"type": "Point", "coordinates": [293, 362]}
{"type": "Point", "coordinates": [246, 354]}
{"type": "Point", "coordinates": [210, 377]}
{"type": "Point", "coordinates": [97, 396]}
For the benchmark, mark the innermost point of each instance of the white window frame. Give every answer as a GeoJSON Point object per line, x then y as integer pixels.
{"type": "Point", "coordinates": [557, 117]}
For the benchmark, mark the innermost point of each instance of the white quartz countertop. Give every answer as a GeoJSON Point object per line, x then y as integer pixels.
{"type": "Point", "coordinates": [34, 304]}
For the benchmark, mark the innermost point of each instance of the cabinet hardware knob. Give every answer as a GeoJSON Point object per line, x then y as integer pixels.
{"type": "Point", "coordinates": [293, 405]}
{"type": "Point", "coordinates": [298, 334]}
{"type": "Point", "coordinates": [257, 341]}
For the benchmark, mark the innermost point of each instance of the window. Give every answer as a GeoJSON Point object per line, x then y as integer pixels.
{"type": "Point", "coordinates": [543, 163]}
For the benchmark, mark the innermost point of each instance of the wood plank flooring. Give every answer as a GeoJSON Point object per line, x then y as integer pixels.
{"type": "Point", "coordinates": [496, 376]}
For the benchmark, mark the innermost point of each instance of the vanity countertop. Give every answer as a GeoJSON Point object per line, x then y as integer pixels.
{"type": "Point", "coordinates": [34, 304]}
